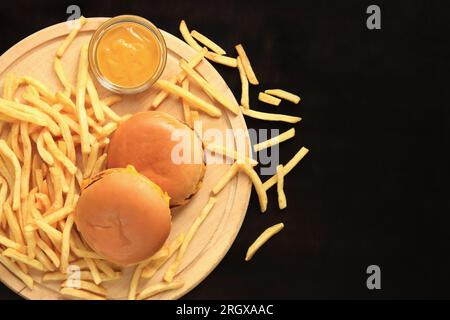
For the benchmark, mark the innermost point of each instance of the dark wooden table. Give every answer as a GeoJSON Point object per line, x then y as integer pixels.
{"type": "Point", "coordinates": [375, 117]}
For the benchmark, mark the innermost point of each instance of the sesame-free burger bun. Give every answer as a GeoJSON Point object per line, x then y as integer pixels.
{"type": "Point", "coordinates": [123, 216]}
{"type": "Point", "coordinates": [146, 141]}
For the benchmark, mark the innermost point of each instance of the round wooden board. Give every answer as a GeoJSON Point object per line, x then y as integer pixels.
{"type": "Point", "coordinates": [34, 56]}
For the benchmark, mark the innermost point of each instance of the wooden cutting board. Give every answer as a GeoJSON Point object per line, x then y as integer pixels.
{"type": "Point", "coordinates": [34, 56]}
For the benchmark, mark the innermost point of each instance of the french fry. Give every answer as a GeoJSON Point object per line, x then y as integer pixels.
{"type": "Point", "coordinates": [186, 107]}
{"type": "Point", "coordinates": [282, 202]}
{"type": "Point", "coordinates": [266, 98]}
{"type": "Point", "coordinates": [270, 116]}
{"type": "Point", "coordinates": [109, 128]}
{"type": "Point", "coordinates": [216, 94]}
{"type": "Point", "coordinates": [3, 195]}
{"type": "Point", "coordinates": [20, 257]}
{"type": "Point", "coordinates": [94, 271]}
{"type": "Point", "coordinates": [87, 286]}
{"type": "Point", "coordinates": [275, 140]}
{"type": "Point", "coordinates": [92, 158]}
{"type": "Point", "coordinates": [239, 157]}
{"type": "Point", "coordinates": [23, 113]}
{"type": "Point", "coordinates": [193, 100]}
{"type": "Point", "coordinates": [80, 294]}
{"type": "Point", "coordinates": [173, 268]}
{"type": "Point", "coordinates": [49, 252]}
{"type": "Point", "coordinates": [231, 172]}
{"type": "Point", "coordinates": [11, 266]}
{"type": "Point", "coordinates": [158, 288]}
{"type": "Point", "coordinates": [30, 239]}
{"type": "Point", "coordinates": [135, 282]}
{"type": "Point", "coordinates": [61, 74]}
{"type": "Point", "coordinates": [41, 88]}
{"type": "Point", "coordinates": [247, 66]}
{"type": "Point", "coordinates": [56, 177]}
{"type": "Point", "coordinates": [153, 266]}
{"type": "Point", "coordinates": [65, 131]}
{"type": "Point", "coordinates": [245, 101]}
{"type": "Point", "coordinates": [287, 168]}
{"type": "Point", "coordinates": [207, 42]}
{"type": "Point", "coordinates": [45, 155]}
{"type": "Point", "coordinates": [195, 117]}
{"type": "Point", "coordinates": [80, 99]}
{"type": "Point", "coordinates": [225, 60]}
{"type": "Point", "coordinates": [111, 114]}
{"type": "Point", "coordinates": [53, 233]}
{"type": "Point", "coordinates": [112, 99]}
{"type": "Point", "coordinates": [9, 154]}
{"type": "Point", "coordinates": [95, 101]}
{"type": "Point", "coordinates": [14, 141]}
{"type": "Point", "coordinates": [284, 95]}
{"type": "Point", "coordinates": [44, 260]}
{"type": "Point", "coordinates": [68, 40]}
{"type": "Point", "coordinates": [179, 77]}
{"type": "Point", "coordinates": [26, 168]}
{"type": "Point", "coordinates": [81, 263]}
{"type": "Point", "coordinates": [84, 275]}
{"type": "Point", "coordinates": [11, 244]}
{"type": "Point", "coordinates": [262, 195]}
{"type": "Point", "coordinates": [187, 36]}
{"type": "Point", "coordinates": [58, 215]}
{"type": "Point", "coordinates": [53, 148]}
{"type": "Point", "coordinates": [99, 164]}
{"type": "Point", "coordinates": [67, 103]}
{"type": "Point", "coordinates": [262, 239]}
{"type": "Point", "coordinates": [105, 268]}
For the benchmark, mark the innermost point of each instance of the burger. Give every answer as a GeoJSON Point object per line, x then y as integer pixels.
{"type": "Point", "coordinates": [123, 216]}
{"type": "Point", "coordinates": [162, 148]}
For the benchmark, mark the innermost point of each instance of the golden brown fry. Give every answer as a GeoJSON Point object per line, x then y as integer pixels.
{"type": "Point", "coordinates": [262, 195]}
{"type": "Point", "coordinates": [49, 252]}
{"type": "Point", "coordinates": [11, 266]}
{"type": "Point", "coordinates": [56, 178]}
{"type": "Point", "coordinates": [270, 116]}
{"type": "Point", "coordinates": [14, 141]}
{"type": "Point", "coordinates": [99, 164]}
{"type": "Point", "coordinates": [3, 195]}
{"type": "Point", "coordinates": [247, 66]}
{"type": "Point", "coordinates": [108, 129]}
{"type": "Point", "coordinates": [24, 113]}
{"type": "Point", "coordinates": [245, 101]}
{"type": "Point", "coordinates": [41, 88]}
{"type": "Point", "coordinates": [80, 99]}
{"type": "Point", "coordinates": [239, 157]}
{"type": "Point", "coordinates": [44, 260]}
{"type": "Point", "coordinates": [186, 107]}
{"type": "Point", "coordinates": [94, 271]}
{"type": "Point", "coordinates": [229, 174]}
{"type": "Point", "coordinates": [172, 270]}
{"type": "Point", "coordinates": [68, 40]}
{"type": "Point", "coordinates": [65, 247]}
{"type": "Point", "coordinates": [26, 168]}
{"type": "Point", "coordinates": [226, 61]}
{"type": "Point", "coordinates": [80, 294]}
{"type": "Point", "coordinates": [105, 268]}
{"type": "Point", "coordinates": [88, 286]}
{"type": "Point", "coordinates": [263, 238]}
{"type": "Point", "coordinates": [284, 95]}
{"type": "Point", "coordinates": [209, 89]}
{"type": "Point", "coordinates": [59, 70]}
{"type": "Point", "coordinates": [58, 215]}
{"type": "Point", "coordinates": [54, 234]}
{"type": "Point", "coordinates": [135, 282]}
{"type": "Point", "coordinates": [193, 100]}
{"type": "Point", "coordinates": [45, 155]}
{"type": "Point", "coordinates": [159, 259]}
{"type": "Point", "coordinates": [53, 148]}
{"type": "Point", "coordinates": [266, 98]}
{"type": "Point", "coordinates": [84, 275]}
{"type": "Point", "coordinates": [282, 202]}
{"type": "Point", "coordinates": [287, 168]}
{"type": "Point", "coordinates": [158, 288]}
{"type": "Point", "coordinates": [9, 154]}
{"type": "Point", "coordinates": [20, 257]}
{"type": "Point", "coordinates": [11, 244]}
{"type": "Point", "coordinates": [95, 101]}
{"type": "Point", "coordinates": [179, 77]}
{"type": "Point", "coordinates": [112, 99]}
{"type": "Point", "coordinates": [67, 103]}
{"type": "Point", "coordinates": [92, 158]}
{"type": "Point", "coordinates": [207, 42]}
{"type": "Point", "coordinates": [275, 140]}
{"type": "Point", "coordinates": [187, 36]}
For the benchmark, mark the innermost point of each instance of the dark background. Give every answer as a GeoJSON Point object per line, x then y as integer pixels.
{"type": "Point", "coordinates": [375, 117]}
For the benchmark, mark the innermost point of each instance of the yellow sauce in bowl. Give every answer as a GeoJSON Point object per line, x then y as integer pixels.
{"type": "Point", "coordinates": [128, 54]}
